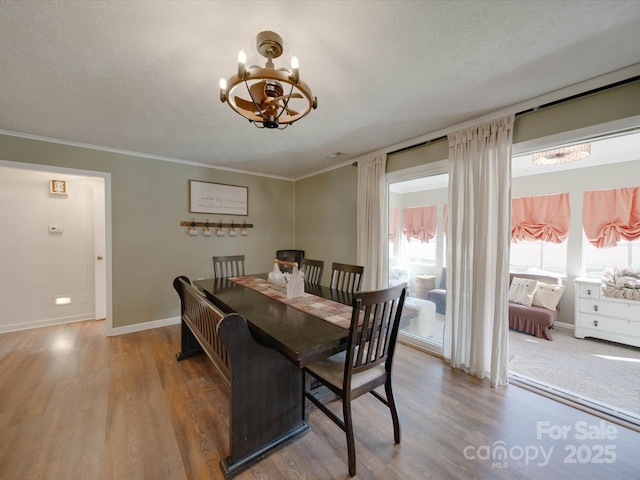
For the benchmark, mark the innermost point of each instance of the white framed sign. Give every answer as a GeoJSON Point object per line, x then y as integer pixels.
{"type": "Point", "coordinates": [218, 198]}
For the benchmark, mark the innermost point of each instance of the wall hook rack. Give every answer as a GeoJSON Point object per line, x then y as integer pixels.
{"type": "Point", "coordinates": [193, 225]}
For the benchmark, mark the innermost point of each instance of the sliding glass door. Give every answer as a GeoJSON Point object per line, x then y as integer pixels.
{"type": "Point", "coordinates": [417, 254]}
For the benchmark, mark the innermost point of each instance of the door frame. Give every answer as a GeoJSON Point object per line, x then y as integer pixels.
{"type": "Point", "coordinates": [103, 283]}
{"type": "Point", "coordinates": [427, 170]}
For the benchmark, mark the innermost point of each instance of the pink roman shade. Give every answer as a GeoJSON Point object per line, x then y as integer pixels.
{"type": "Point", "coordinates": [419, 222]}
{"type": "Point", "coordinates": [544, 217]}
{"type": "Point", "coordinates": [445, 217]}
{"type": "Point", "coordinates": [393, 223]}
{"type": "Point", "coordinates": [611, 215]}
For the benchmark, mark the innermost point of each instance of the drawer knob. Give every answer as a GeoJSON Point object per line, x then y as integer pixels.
{"type": "Point", "coordinates": [595, 323]}
{"type": "Point", "coordinates": [589, 292]}
{"type": "Point", "coordinates": [595, 308]}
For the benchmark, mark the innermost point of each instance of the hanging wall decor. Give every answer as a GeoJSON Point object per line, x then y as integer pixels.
{"type": "Point", "coordinates": [217, 198]}
{"type": "Point", "coordinates": [209, 228]}
{"type": "Point", "coordinates": [58, 187]}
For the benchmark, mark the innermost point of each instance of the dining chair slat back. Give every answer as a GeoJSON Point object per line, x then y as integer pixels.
{"type": "Point", "coordinates": [345, 277]}
{"type": "Point", "coordinates": [289, 256]}
{"type": "Point", "coordinates": [228, 266]}
{"type": "Point", "coordinates": [313, 270]}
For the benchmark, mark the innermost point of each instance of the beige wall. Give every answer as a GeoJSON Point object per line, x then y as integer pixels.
{"type": "Point", "coordinates": [149, 199]}
{"type": "Point", "coordinates": [429, 153]}
{"type": "Point", "coordinates": [325, 217]}
{"type": "Point", "coordinates": [605, 106]}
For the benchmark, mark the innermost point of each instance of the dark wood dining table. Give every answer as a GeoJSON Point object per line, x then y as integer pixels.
{"type": "Point", "coordinates": [301, 337]}
{"type": "Point", "coordinates": [267, 401]}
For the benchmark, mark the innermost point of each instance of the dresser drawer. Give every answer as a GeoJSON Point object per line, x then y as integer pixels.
{"type": "Point", "coordinates": [608, 308]}
{"type": "Point", "coordinates": [589, 290]}
{"type": "Point", "coordinates": [611, 325]}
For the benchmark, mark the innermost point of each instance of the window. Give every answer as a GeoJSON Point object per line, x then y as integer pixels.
{"type": "Point", "coordinates": [539, 230]}
{"type": "Point", "coordinates": [539, 255]}
{"type": "Point", "coordinates": [597, 260]}
{"type": "Point", "coordinates": [419, 252]}
{"type": "Point", "coordinates": [413, 234]}
{"type": "Point", "coordinates": [611, 235]}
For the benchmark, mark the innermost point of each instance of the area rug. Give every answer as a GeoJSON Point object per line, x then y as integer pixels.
{"type": "Point", "coordinates": [606, 372]}
{"type": "Point", "coordinates": [602, 372]}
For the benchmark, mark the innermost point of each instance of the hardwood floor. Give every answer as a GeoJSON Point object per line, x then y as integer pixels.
{"type": "Point", "coordinates": [75, 404]}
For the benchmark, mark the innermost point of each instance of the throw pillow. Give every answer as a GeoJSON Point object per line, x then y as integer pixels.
{"type": "Point", "coordinates": [522, 290]}
{"type": "Point", "coordinates": [547, 295]}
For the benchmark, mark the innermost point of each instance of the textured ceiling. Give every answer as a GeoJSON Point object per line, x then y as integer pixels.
{"type": "Point", "coordinates": [143, 76]}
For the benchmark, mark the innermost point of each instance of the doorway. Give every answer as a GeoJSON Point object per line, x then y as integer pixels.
{"type": "Point", "coordinates": [417, 252]}
{"type": "Point", "coordinates": [56, 246]}
{"type": "Point", "coordinates": [614, 163]}
{"type": "Point", "coordinates": [579, 365]}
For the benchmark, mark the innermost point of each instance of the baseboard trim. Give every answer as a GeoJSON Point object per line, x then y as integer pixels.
{"type": "Point", "coordinates": [16, 327]}
{"type": "Point", "coordinates": [140, 327]}
{"type": "Point", "coordinates": [568, 326]}
{"type": "Point", "coordinates": [111, 332]}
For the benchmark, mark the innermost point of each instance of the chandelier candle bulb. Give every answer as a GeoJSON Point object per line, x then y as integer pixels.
{"type": "Point", "coordinates": [223, 90]}
{"type": "Point", "coordinates": [242, 60]}
{"type": "Point", "coordinates": [294, 66]}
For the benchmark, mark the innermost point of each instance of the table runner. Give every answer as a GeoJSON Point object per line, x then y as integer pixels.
{"type": "Point", "coordinates": [328, 310]}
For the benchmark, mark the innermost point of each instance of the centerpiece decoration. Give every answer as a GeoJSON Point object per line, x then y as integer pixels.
{"type": "Point", "coordinates": [291, 283]}
{"type": "Point", "coordinates": [623, 283]}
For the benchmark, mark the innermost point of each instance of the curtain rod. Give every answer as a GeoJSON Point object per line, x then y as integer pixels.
{"type": "Point", "coordinates": [533, 109]}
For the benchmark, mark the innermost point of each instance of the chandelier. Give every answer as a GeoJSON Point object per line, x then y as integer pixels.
{"type": "Point", "coordinates": [562, 155]}
{"type": "Point", "coordinates": [271, 98]}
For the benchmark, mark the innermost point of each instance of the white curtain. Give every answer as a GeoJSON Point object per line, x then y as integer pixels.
{"type": "Point", "coordinates": [479, 232]}
{"type": "Point", "coordinates": [371, 221]}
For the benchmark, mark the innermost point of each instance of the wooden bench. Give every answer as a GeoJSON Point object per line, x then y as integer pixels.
{"type": "Point", "coordinates": [262, 418]}
{"type": "Point", "coordinates": [199, 325]}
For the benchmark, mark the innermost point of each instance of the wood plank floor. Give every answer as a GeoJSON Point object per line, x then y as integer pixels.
{"type": "Point", "coordinates": [75, 404]}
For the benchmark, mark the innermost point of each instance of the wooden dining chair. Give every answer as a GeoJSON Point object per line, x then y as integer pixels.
{"type": "Point", "coordinates": [313, 270]}
{"type": "Point", "coordinates": [289, 256]}
{"type": "Point", "coordinates": [228, 266]}
{"type": "Point", "coordinates": [345, 277]}
{"type": "Point", "coordinates": [365, 365]}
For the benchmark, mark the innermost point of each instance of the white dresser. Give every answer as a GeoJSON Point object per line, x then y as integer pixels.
{"type": "Point", "coordinates": [603, 317]}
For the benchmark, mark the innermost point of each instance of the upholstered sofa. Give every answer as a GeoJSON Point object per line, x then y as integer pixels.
{"type": "Point", "coordinates": [439, 295]}
{"type": "Point", "coordinates": [534, 319]}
